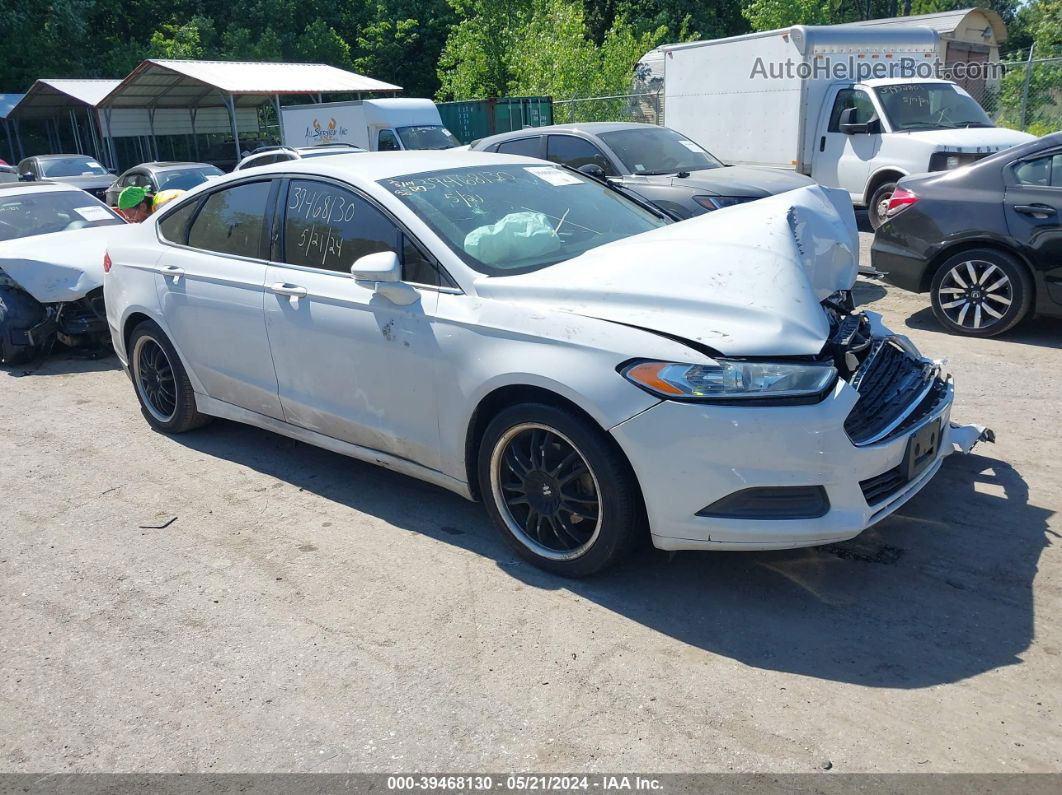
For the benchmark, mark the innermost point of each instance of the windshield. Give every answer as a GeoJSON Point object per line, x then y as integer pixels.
{"type": "Point", "coordinates": [427, 137]}
{"type": "Point", "coordinates": [930, 106]}
{"type": "Point", "coordinates": [503, 220]}
{"type": "Point", "coordinates": [71, 167]}
{"type": "Point", "coordinates": [42, 213]}
{"type": "Point", "coordinates": [657, 150]}
{"type": "Point", "coordinates": [185, 178]}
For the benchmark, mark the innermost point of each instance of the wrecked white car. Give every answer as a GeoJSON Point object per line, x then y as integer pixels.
{"type": "Point", "coordinates": [52, 242]}
{"type": "Point", "coordinates": [521, 334]}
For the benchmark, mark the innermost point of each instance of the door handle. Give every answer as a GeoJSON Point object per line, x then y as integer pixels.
{"type": "Point", "coordinates": [173, 271]}
{"type": "Point", "coordinates": [822, 144]}
{"type": "Point", "coordinates": [1035, 209]}
{"type": "Point", "coordinates": [280, 288]}
{"type": "Point", "coordinates": [293, 291]}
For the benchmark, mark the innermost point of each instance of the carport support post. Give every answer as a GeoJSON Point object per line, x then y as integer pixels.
{"type": "Point", "coordinates": [77, 133]}
{"type": "Point", "coordinates": [231, 105]}
{"type": "Point", "coordinates": [195, 141]}
{"type": "Point", "coordinates": [280, 126]}
{"type": "Point", "coordinates": [18, 140]}
{"type": "Point", "coordinates": [95, 140]}
{"type": "Point", "coordinates": [154, 141]}
{"type": "Point", "coordinates": [110, 140]}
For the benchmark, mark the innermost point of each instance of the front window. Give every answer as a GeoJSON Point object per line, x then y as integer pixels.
{"type": "Point", "coordinates": [427, 137]}
{"type": "Point", "coordinates": [71, 167]}
{"type": "Point", "coordinates": [930, 106]}
{"type": "Point", "coordinates": [658, 150]}
{"type": "Point", "coordinates": [187, 178]}
{"type": "Point", "coordinates": [43, 213]}
{"type": "Point", "coordinates": [503, 220]}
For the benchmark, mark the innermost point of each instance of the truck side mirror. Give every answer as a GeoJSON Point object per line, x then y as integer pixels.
{"type": "Point", "coordinates": [849, 127]}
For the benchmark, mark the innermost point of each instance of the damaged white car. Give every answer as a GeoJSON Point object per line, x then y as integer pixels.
{"type": "Point", "coordinates": [521, 334]}
{"type": "Point", "coordinates": [52, 241]}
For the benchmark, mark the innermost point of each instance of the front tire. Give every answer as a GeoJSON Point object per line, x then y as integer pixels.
{"type": "Point", "coordinates": [879, 204]}
{"type": "Point", "coordinates": [559, 491]}
{"type": "Point", "coordinates": [981, 293]}
{"type": "Point", "coordinates": [167, 400]}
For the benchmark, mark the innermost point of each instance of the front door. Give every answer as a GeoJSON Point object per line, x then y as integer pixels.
{"type": "Point", "coordinates": [1033, 208]}
{"type": "Point", "coordinates": [840, 160]}
{"type": "Point", "coordinates": [350, 363]}
{"type": "Point", "coordinates": [211, 293]}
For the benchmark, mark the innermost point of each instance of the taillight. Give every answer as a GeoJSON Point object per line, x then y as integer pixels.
{"type": "Point", "coordinates": [106, 262]}
{"type": "Point", "coordinates": [901, 199]}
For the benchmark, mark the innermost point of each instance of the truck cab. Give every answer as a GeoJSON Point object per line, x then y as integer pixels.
{"type": "Point", "coordinates": [870, 134]}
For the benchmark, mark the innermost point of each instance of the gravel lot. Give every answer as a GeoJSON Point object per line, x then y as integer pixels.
{"type": "Point", "coordinates": [306, 612]}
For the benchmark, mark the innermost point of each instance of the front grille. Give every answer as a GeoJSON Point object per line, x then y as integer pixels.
{"type": "Point", "coordinates": [896, 392]}
{"type": "Point", "coordinates": [880, 487]}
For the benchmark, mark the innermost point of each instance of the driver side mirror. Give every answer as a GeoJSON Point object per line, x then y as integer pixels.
{"type": "Point", "coordinates": [849, 127]}
{"type": "Point", "coordinates": [382, 272]}
{"type": "Point", "coordinates": [26, 176]}
{"type": "Point", "coordinates": [593, 170]}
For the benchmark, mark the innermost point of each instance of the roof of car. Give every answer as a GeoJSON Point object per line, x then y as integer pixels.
{"type": "Point", "coordinates": [38, 186]}
{"type": "Point", "coordinates": [590, 127]}
{"type": "Point", "coordinates": [56, 157]}
{"type": "Point", "coordinates": [373, 166]}
{"type": "Point", "coordinates": [160, 164]}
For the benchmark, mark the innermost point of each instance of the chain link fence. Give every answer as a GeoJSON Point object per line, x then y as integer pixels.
{"type": "Point", "coordinates": [645, 108]}
{"type": "Point", "coordinates": [1027, 97]}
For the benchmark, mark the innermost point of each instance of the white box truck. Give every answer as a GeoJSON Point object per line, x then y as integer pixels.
{"type": "Point", "coordinates": [373, 124]}
{"type": "Point", "coordinates": [851, 107]}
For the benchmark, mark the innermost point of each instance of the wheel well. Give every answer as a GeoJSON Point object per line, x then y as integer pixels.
{"type": "Point", "coordinates": [131, 323]}
{"type": "Point", "coordinates": [878, 180]}
{"type": "Point", "coordinates": [967, 245]}
{"type": "Point", "coordinates": [504, 397]}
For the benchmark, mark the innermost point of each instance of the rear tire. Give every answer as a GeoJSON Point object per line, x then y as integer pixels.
{"type": "Point", "coordinates": [981, 293]}
{"type": "Point", "coordinates": [167, 400]}
{"type": "Point", "coordinates": [559, 491]}
{"type": "Point", "coordinates": [879, 203]}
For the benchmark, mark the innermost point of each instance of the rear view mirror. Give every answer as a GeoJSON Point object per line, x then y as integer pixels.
{"type": "Point", "coordinates": [382, 272]}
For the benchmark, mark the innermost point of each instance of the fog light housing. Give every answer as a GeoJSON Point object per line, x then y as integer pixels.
{"type": "Point", "coordinates": [771, 502]}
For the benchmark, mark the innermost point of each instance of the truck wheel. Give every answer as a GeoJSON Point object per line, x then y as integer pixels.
{"type": "Point", "coordinates": [562, 495]}
{"type": "Point", "coordinates": [981, 293]}
{"type": "Point", "coordinates": [879, 203]}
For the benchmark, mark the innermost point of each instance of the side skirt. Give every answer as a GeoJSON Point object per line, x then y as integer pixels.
{"type": "Point", "coordinates": [219, 408]}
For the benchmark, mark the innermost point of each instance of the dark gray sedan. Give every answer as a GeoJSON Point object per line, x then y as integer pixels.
{"type": "Point", "coordinates": [77, 171]}
{"type": "Point", "coordinates": [659, 164]}
{"type": "Point", "coordinates": [158, 176]}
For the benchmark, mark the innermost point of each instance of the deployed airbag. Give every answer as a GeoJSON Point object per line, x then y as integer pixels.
{"type": "Point", "coordinates": [517, 236]}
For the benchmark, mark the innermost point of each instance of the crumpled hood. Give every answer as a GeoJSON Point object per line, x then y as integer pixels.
{"type": "Point", "coordinates": [972, 139]}
{"type": "Point", "coordinates": [62, 266]}
{"type": "Point", "coordinates": [740, 181]}
{"type": "Point", "coordinates": [744, 281]}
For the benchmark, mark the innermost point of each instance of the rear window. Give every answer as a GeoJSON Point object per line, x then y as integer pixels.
{"type": "Point", "coordinates": [186, 178]}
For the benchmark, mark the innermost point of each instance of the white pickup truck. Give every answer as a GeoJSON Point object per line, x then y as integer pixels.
{"type": "Point", "coordinates": [852, 108]}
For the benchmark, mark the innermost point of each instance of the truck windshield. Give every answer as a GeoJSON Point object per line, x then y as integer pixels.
{"type": "Point", "coordinates": [657, 150]}
{"type": "Point", "coordinates": [509, 219]}
{"type": "Point", "coordinates": [930, 106]}
{"type": "Point", "coordinates": [427, 137]}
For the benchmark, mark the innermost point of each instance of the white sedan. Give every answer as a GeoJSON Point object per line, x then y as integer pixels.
{"type": "Point", "coordinates": [524, 335]}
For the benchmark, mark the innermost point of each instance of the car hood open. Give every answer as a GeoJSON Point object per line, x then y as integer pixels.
{"type": "Point", "coordinates": [62, 266]}
{"type": "Point", "coordinates": [744, 281]}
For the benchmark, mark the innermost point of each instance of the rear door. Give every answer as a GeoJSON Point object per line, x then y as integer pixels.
{"type": "Point", "coordinates": [1033, 209]}
{"type": "Point", "coordinates": [210, 287]}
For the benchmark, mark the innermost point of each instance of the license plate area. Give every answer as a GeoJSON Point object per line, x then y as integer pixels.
{"type": "Point", "coordinates": [922, 449]}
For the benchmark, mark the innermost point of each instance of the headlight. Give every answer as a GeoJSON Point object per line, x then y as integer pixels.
{"type": "Point", "coordinates": [726, 379]}
{"type": "Point", "coordinates": [719, 202]}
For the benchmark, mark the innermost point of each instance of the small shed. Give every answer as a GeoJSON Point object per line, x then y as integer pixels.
{"type": "Point", "coordinates": [967, 35]}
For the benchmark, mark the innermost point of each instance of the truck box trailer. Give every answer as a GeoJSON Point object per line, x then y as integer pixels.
{"type": "Point", "coordinates": [373, 124]}
{"type": "Point", "coordinates": [854, 108]}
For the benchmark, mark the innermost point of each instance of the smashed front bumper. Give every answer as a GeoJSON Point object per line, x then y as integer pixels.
{"type": "Point", "coordinates": [690, 456]}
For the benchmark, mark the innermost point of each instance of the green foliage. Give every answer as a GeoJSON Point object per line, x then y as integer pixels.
{"type": "Point", "coordinates": [774, 14]}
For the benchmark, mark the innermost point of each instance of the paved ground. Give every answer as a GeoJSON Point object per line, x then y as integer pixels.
{"type": "Point", "coordinates": [307, 612]}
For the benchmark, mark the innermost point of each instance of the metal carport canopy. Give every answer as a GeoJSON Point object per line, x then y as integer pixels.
{"type": "Point", "coordinates": [175, 84]}
{"type": "Point", "coordinates": [49, 99]}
